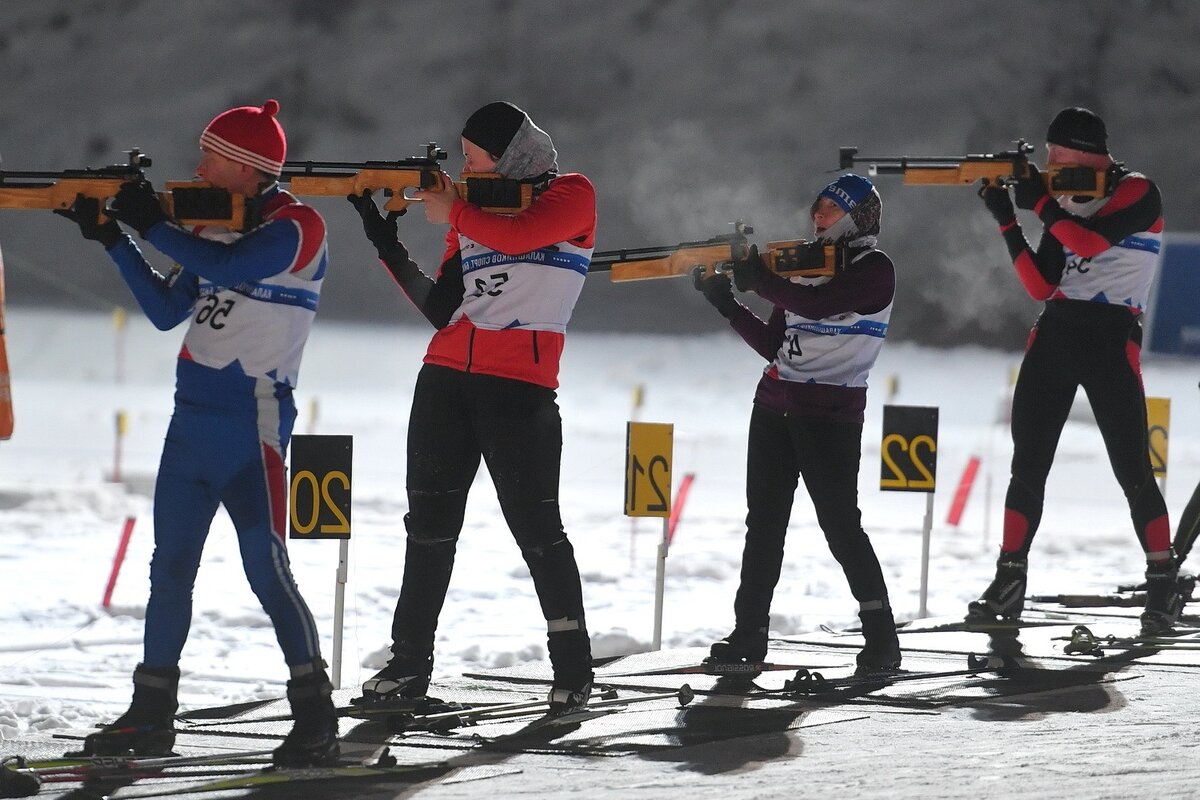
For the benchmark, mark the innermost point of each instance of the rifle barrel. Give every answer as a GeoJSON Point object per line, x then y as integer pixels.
{"type": "Point", "coordinates": [99, 172]}
{"type": "Point", "coordinates": [292, 168]}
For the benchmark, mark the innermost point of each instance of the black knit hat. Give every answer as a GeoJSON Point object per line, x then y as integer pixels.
{"type": "Point", "coordinates": [1078, 129]}
{"type": "Point", "coordinates": [494, 126]}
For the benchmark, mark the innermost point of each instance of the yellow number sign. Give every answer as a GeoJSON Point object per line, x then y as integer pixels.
{"type": "Point", "coordinates": [908, 453]}
{"type": "Point", "coordinates": [648, 458]}
{"type": "Point", "coordinates": [1158, 423]}
{"type": "Point", "coordinates": [319, 500]}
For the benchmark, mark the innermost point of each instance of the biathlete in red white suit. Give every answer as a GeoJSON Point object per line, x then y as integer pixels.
{"type": "Point", "coordinates": [821, 339]}
{"type": "Point", "coordinates": [500, 301]}
{"type": "Point", "coordinates": [1093, 268]}
{"type": "Point", "coordinates": [250, 296]}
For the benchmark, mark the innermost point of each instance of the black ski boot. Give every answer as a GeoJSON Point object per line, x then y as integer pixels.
{"type": "Point", "coordinates": [565, 699]}
{"type": "Point", "coordinates": [741, 646]}
{"type": "Point", "coordinates": [313, 739]}
{"type": "Point", "coordinates": [1004, 599]}
{"type": "Point", "coordinates": [1164, 603]}
{"type": "Point", "coordinates": [881, 649]}
{"type": "Point", "coordinates": [570, 650]}
{"type": "Point", "coordinates": [148, 727]}
{"type": "Point", "coordinates": [405, 676]}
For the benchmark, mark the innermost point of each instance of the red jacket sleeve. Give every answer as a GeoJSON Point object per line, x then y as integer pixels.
{"type": "Point", "coordinates": [564, 212]}
{"type": "Point", "coordinates": [1135, 206]}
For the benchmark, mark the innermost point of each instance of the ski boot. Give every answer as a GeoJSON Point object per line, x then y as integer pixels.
{"type": "Point", "coordinates": [741, 646]}
{"type": "Point", "coordinates": [1004, 599]}
{"type": "Point", "coordinates": [406, 676]}
{"type": "Point", "coordinates": [313, 739]}
{"type": "Point", "coordinates": [566, 699]}
{"type": "Point", "coordinates": [881, 649]}
{"type": "Point", "coordinates": [570, 650]}
{"type": "Point", "coordinates": [1164, 603]}
{"type": "Point", "coordinates": [148, 727]}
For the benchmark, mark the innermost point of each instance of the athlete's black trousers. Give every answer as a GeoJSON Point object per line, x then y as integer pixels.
{"type": "Point", "coordinates": [1096, 346]}
{"type": "Point", "coordinates": [458, 419]}
{"type": "Point", "coordinates": [826, 454]}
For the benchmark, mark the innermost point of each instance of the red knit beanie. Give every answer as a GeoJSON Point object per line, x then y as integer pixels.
{"type": "Point", "coordinates": [250, 136]}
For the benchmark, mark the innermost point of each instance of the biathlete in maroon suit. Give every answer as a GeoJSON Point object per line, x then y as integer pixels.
{"type": "Point", "coordinates": [500, 302]}
{"type": "Point", "coordinates": [251, 296]}
{"type": "Point", "coordinates": [1093, 268]}
{"type": "Point", "coordinates": [821, 340]}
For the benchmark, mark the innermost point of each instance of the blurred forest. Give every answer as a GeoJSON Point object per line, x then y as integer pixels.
{"type": "Point", "coordinates": [685, 114]}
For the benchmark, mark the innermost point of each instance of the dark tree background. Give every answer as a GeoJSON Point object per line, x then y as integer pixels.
{"type": "Point", "coordinates": [686, 114]}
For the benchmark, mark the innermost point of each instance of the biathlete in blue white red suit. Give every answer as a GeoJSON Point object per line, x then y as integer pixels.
{"type": "Point", "coordinates": [251, 296]}
{"type": "Point", "coordinates": [821, 339]}
{"type": "Point", "coordinates": [500, 301]}
{"type": "Point", "coordinates": [1093, 268]}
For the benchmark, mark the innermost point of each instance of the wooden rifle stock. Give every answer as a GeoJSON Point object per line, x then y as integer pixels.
{"type": "Point", "coordinates": [998, 169]}
{"type": "Point", "coordinates": [393, 179]}
{"type": "Point", "coordinates": [188, 202]}
{"type": "Point", "coordinates": [792, 258]}
{"type": "Point", "coordinates": [58, 195]}
{"type": "Point", "coordinates": [57, 191]}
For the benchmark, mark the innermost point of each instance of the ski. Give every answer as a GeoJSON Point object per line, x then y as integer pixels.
{"type": "Point", "coordinates": [1083, 642]}
{"type": "Point", "coordinates": [1092, 600]}
{"type": "Point", "coordinates": [814, 684]}
{"type": "Point", "coordinates": [556, 720]}
{"type": "Point", "coordinates": [20, 777]}
{"type": "Point", "coordinates": [968, 625]}
{"type": "Point", "coordinates": [403, 706]}
{"type": "Point", "coordinates": [683, 695]}
{"type": "Point", "coordinates": [447, 720]}
{"type": "Point", "coordinates": [546, 723]}
{"type": "Point", "coordinates": [730, 669]}
{"type": "Point", "coordinates": [382, 767]}
{"type": "Point", "coordinates": [984, 626]}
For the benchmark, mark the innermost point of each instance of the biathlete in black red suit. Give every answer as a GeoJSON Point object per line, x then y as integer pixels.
{"type": "Point", "coordinates": [500, 302]}
{"type": "Point", "coordinates": [821, 340]}
{"type": "Point", "coordinates": [1093, 267]}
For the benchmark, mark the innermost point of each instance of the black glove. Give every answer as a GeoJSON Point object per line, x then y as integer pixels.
{"type": "Point", "coordinates": [716, 290]}
{"type": "Point", "coordinates": [1030, 189]}
{"type": "Point", "coordinates": [85, 212]}
{"type": "Point", "coordinates": [998, 203]}
{"type": "Point", "coordinates": [748, 271]}
{"type": "Point", "coordinates": [138, 206]}
{"type": "Point", "coordinates": [380, 230]}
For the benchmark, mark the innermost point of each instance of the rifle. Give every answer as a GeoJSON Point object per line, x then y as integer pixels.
{"type": "Point", "coordinates": [795, 257]}
{"type": "Point", "coordinates": [189, 202]}
{"type": "Point", "coordinates": [489, 191]}
{"type": "Point", "coordinates": [58, 190]}
{"type": "Point", "coordinates": [999, 169]}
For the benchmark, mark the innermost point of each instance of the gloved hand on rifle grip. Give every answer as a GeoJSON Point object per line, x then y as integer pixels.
{"type": "Point", "coordinates": [380, 230]}
{"type": "Point", "coordinates": [716, 290]}
{"type": "Point", "coordinates": [85, 212]}
{"type": "Point", "coordinates": [998, 203]}
{"type": "Point", "coordinates": [138, 206]}
{"type": "Point", "coordinates": [1030, 189]}
{"type": "Point", "coordinates": [748, 271]}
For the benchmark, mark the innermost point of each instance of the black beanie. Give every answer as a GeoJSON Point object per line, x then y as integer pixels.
{"type": "Point", "coordinates": [494, 126]}
{"type": "Point", "coordinates": [1078, 129]}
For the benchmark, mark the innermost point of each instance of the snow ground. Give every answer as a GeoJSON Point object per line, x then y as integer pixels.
{"type": "Point", "coordinates": [65, 661]}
